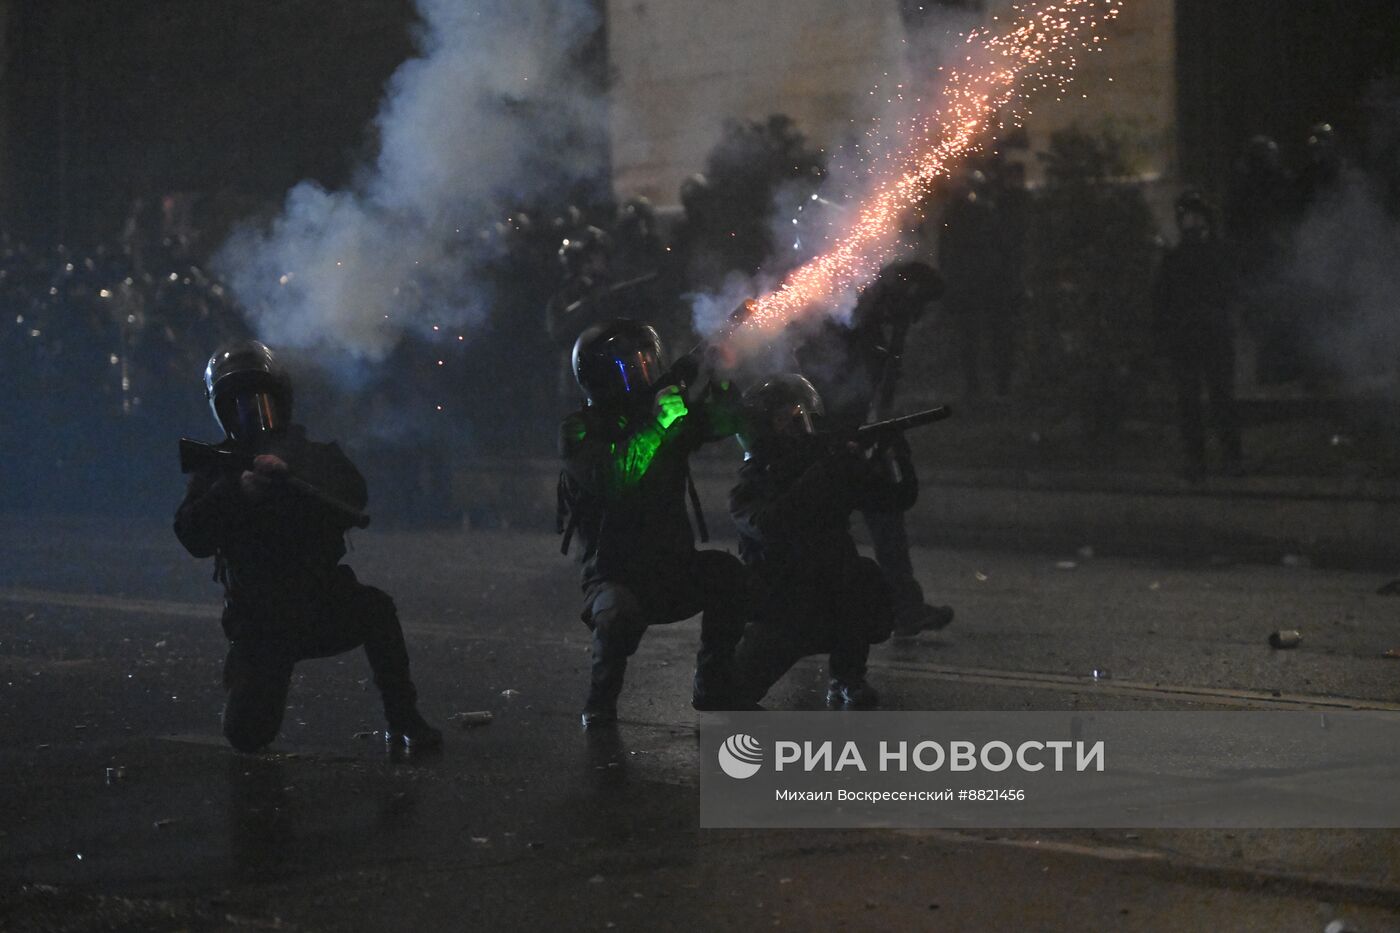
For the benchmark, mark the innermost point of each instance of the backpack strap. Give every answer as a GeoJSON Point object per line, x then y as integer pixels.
{"type": "Point", "coordinates": [694, 494]}
{"type": "Point", "coordinates": [566, 514]}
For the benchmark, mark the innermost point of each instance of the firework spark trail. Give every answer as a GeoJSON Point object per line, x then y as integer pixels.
{"type": "Point", "coordinates": [1037, 51]}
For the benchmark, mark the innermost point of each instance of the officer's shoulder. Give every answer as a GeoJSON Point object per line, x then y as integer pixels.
{"type": "Point", "coordinates": [297, 435]}
{"type": "Point", "coordinates": [577, 425]}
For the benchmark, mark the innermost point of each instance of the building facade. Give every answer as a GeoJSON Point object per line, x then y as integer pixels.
{"type": "Point", "coordinates": [680, 68]}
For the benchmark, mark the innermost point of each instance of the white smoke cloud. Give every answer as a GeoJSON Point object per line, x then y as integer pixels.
{"type": "Point", "coordinates": [490, 114]}
{"type": "Point", "coordinates": [1346, 271]}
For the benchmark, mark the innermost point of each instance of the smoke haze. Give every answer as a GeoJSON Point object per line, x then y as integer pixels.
{"type": "Point", "coordinates": [490, 114]}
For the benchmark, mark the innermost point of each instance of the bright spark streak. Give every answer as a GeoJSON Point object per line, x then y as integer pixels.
{"type": "Point", "coordinates": [1037, 50]}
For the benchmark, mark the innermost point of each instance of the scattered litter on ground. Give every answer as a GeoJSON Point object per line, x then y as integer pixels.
{"type": "Point", "coordinates": [164, 822]}
{"type": "Point", "coordinates": [508, 693]}
{"type": "Point", "coordinates": [1066, 565]}
{"type": "Point", "coordinates": [1285, 638]}
{"type": "Point", "coordinates": [1099, 673]}
{"type": "Point", "coordinates": [1154, 585]}
{"type": "Point", "coordinates": [980, 577]}
{"type": "Point", "coordinates": [1086, 552]}
{"type": "Point", "coordinates": [1391, 653]}
{"type": "Point", "coordinates": [116, 774]}
{"type": "Point", "coordinates": [474, 718]}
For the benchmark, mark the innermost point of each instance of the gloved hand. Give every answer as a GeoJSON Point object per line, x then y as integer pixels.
{"type": "Point", "coordinates": [670, 406]}
{"type": "Point", "coordinates": [257, 482]}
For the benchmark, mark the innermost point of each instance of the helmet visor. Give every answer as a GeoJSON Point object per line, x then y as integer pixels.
{"type": "Point", "coordinates": [793, 420]}
{"type": "Point", "coordinates": [637, 370]}
{"type": "Point", "coordinates": [249, 413]}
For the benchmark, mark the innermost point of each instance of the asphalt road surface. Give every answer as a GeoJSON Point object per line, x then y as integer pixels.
{"type": "Point", "coordinates": [123, 809]}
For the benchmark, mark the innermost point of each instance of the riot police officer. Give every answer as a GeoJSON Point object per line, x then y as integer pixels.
{"type": "Point", "coordinates": [793, 507]}
{"type": "Point", "coordinates": [856, 369]}
{"type": "Point", "coordinates": [1192, 297]}
{"type": "Point", "coordinates": [586, 261]}
{"type": "Point", "coordinates": [623, 493]}
{"type": "Point", "coordinates": [276, 531]}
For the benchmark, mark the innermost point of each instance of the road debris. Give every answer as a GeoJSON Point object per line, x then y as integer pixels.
{"type": "Point", "coordinates": [1285, 638]}
{"type": "Point", "coordinates": [474, 718]}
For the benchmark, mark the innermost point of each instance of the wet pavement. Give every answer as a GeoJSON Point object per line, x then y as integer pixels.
{"type": "Point", "coordinates": [123, 809]}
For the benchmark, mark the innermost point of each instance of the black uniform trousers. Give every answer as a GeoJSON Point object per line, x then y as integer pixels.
{"type": "Point", "coordinates": [619, 613]}
{"type": "Point", "coordinates": [266, 640]}
{"type": "Point", "coordinates": [841, 618]}
{"type": "Point", "coordinates": [1214, 369]}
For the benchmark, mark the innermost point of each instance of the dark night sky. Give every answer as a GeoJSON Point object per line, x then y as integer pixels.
{"type": "Point", "coordinates": [112, 99]}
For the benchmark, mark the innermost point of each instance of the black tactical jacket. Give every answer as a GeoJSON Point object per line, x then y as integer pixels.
{"type": "Point", "coordinates": [793, 512]}
{"type": "Point", "coordinates": [277, 554]}
{"type": "Point", "coordinates": [630, 521]}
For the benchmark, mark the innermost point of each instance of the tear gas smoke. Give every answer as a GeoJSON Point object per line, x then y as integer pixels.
{"type": "Point", "coordinates": [490, 114]}
{"type": "Point", "coordinates": [1345, 275]}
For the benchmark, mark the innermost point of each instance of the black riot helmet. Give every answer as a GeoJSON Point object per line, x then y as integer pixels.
{"type": "Point", "coordinates": [782, 409]}
{"type": "Point", "coordinates": [248, 391]}
{"type": "Point", "coordinates": [1194, 213]}
{"type": "Point", "coordinates": [617, 363]}
{"type": "Point", "coordinates": [578, 249]}
{"type": "Point", "coordinates": [1321, 142]}
{"type": "Point", "coordinates": [1261, 154]}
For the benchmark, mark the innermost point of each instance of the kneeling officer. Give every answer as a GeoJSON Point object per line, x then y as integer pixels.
{"type": "Point", "coordinates": [623, 491]}
{"type": "Point", "coordinates": [793, 508]}
{"type": "Point", "coordinates": [272, 508]}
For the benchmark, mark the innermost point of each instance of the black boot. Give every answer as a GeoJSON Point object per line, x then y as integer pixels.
{"type": "Point", "coordinates": [852, 694]}
{"type": "Point", "coordinates": [406, 726]}
{"type": "Point", "coordinates": [601, 706]}
{"type": "Point", "coordinates": [412, 731]}
{"type": "Point", "coordinates": [712, 686]}
{"type": "Point", "coordinates": [924, 618]}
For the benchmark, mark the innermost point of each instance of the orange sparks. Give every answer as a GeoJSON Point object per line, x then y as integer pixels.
{"type": "Point", "coordinates": [1036, 51]}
